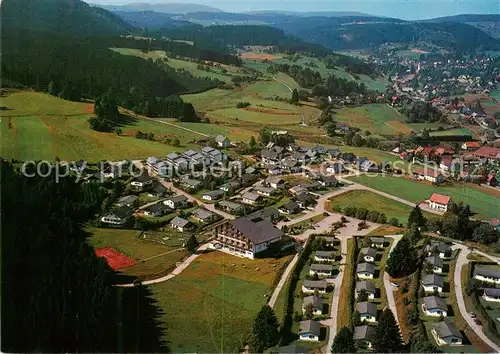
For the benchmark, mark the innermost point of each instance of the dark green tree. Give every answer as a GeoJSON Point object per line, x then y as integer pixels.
{"type": "Point", "coordinates": [402, 260]}
{"type": "Point", "coordinates": [344, 342]}
{"type": "Point", "coordinates": [192, 244]}
{"type": "Point", "coordinates": [387, 336]}
{"type": "Point", "coordinates": [188, 114]}
{"type": "Point", "coordinates": [416, 218]}
{"type": "Point", "coordinates": [295, 97]}
{"type": "Point", "coordinates": [265, 332]}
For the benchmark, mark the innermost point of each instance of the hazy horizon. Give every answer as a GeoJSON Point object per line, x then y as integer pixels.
{"type": "Point", "coordinates": [408, 10]}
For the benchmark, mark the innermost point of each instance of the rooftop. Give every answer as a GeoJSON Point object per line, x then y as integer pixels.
{"type": "Point", "coordinates": [446, 329]}
{"type": "Point", "coordinates": [435, 302]}
{"type": "Point", "coordinates": [433, 279]}
{"type": "Point", "coordinates": [310, 326]}
{"type": "Point", "coordinates": [440, 199]}
{"type": "Point", "coordinates": [179, 222]}
{"type": "Point", "coordinates": [257, 230]}
{"type": "Point", "coordinates": [487, 272]}
{"type": "Point", "coordinates": [315, 284]}
{"type": "Point", "coordinates": [364, 332]}
{"type": "Point", "coordinates": [365, 267]}
{"type": "Point", "coordinates": [366, 285]}
{"type": "Point", "coordinates": [366, 307]}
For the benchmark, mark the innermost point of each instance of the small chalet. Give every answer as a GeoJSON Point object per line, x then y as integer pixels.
{"type": "Point", "coordinates": [251, 198]}
{"type": "Point", "coordinates": [213, 195]}
{"type": "Point", "coordinates": [322, 270]}
{"type": "Point", "coordinates": [265, 191]}
{"type": "Point", "coordinates": [367, 311]}
{"type": "Point", "coordinates": [364, 336]}
{"type": "Point", "coordinates": [127, 200]}
{"type": "Point", "coordinates": [491, 294]}
{"type": "Point", "coordinates": [142, 182]}
{"type": "Point", "coordinates": [327, 181]}
{"type": "Point", "coordinates": [275, 182]}
{"type": "Point", "coordinates": [222, 141]}
{"type": "Point", "coordinates": [324, 256]}
{"type": "Point", "coordinates": [230, 206]}
{"type": "Point", "coordinates": [437, 264]}
{"type": "Point", "coordinates": [203, 215]}
{"type": "Point", "coordinates": [176, 202]}
{"type": "Point", "coordinates": [366, 286]}
{"type": "Point", "coordinates": [309, 286]}
{"type": "Point", "coordinates": [487, 275]}
{"type": "Point", "coordinates": [434, 306]}
{"type": "Point", "coordinates": [157, 209]}
{"type": "Point", "coordinates": [118, 216]}
{"type": "Point", "coordinates": [365, 271]}
{"type": "Point", "coordinates": [377, 242]}
{"type": "Point", "coordinates": [316, 302]}
{"type": "Point", "coordinates": [180, 224]}
{"type": "Point", "coordinates": [433, 283]}
{"type": "Point", "coordinates": [336, 168]}
{"type": "Point", "coordinates": [446, 333]}
{"type": "Point", "coordinates": [369, 254]}
{"type": "Point", "coordinates": [309, 331]}
{"type": "Point", "coordinates": [290, 208]}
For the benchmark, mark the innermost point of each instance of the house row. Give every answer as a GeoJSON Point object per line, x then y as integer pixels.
{"type": "Point", "coordinates": [487, 275]}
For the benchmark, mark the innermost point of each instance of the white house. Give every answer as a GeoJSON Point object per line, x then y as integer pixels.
{"type": "Point", "coordinates": [432, 283]}
{"type": "Point", "coordinates": [434, 306]}
{"type": "Point", "coordinates": [250, 198]}
{"type": "Point", "coordinates": [440, 249]}
{"type": "Point", "coordinates": [176, 202]}
{"type": "Point", "coordinates": [446, 333]}
{"type": "Point", "coordinates": [439, 202]}
{"type": "Point", "coordinates": [316, 302]}
{"type": "Point", "coordinates": [265, 191]}
{"type": "Point", "coordinates": [368, 287]}
{"type": "Point", "coordinates": [309, 286]}
{"type": "Point", "coordinates": [367, 311]}
{"type": "Point", "coordinates": [276, 182]}
{"type": "Point", "coordinates": [364, 336]}
{"type": "Point", "coordinates": [222, 141]}
{"type": "Point", "coordinates": [323, 270]}
{"type": "Point", "coordinates": [309, 331]}
{"type": "Point", "coordinates": [429, 175]}
{"type": "Point", "coordinates": [324, 256]}
{"type": "Point", "coordinates": [213, 195]}
{"type": "Point", "coordinates": [142, 182]}
{"type": "Point", "coordinates": [437, 264]}
{"type": "Point", "coordinates": [118, 216]}
{"type": "Point", "coordinates": [378, 242]}
{"type": "Point", "coordinates": [491, 294]}
{"type": "Point", "coordinates": [487, 275]}
{"type": "Point", "coordinates": [180, 224]}
{"type": "Point", "coordinates": [369, 254]}
{"type": "Point", "coordinates": [365, 270]}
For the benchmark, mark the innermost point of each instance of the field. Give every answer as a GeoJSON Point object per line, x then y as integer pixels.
{"type": "Point", "coordinates": [452, 132]}
{"type": "Point", "coordinates": [151, 258]}
{"type": "Point", "coordinates": [373, 201]}
{"type": "Point", "coordinates": [40, 126]}
{"type": "Point", "coordinates": [221, 294]}
{"type": "Point", "coordinates": [495, 94]}
{"type": "Point", "coordinates": [486, 205]}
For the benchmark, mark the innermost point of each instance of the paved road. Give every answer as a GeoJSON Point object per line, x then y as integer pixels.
{"type": "Point", "coordinates": [389, 289]}
{"type": "Point", "coordinates": [282, 281]}
{"type": "Point", "coordinates": [457, 280]}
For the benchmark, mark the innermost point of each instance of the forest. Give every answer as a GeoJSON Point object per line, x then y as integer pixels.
{"type": "Point", "coordinates": [305, 77]}
{"type": "Point", "coordinates": [57, 296]}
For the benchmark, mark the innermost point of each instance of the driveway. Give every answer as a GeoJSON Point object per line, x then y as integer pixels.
{"type": "Point", "coordinates": [389, 289]}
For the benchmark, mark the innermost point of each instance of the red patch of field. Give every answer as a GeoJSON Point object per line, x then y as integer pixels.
{"type": "Point", "coordinates": [89, 108]}
{"type": "Point", "coordinates": [250, 55]}
{"type": "Point", "coordinates": [269, 111]}
{"type": "Point", "coordinates": [115, 259]}
{"type": "Point", "coordinates": [399, 126]}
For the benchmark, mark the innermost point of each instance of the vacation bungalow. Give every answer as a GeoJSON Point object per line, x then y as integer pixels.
{"type": "Point", "coordinates": [364, 336]}
{"type": "Point", "coordinates": [322, 270]}
{"type": "Point", "coordinates": [437, 264]}
{"type": "Point", "coordinates": [316, 302]}
{"type": "Point", "coordinates": [142, 182]}
{"type": "Point", "coordinates": [222, 141]}
{"type": "Point", "coordinates": [265, 191]}
{"type": "Point", "coordinates": [128, 200]}
{"type": "Point", "coordinates": [369, 254]}
{"type": "Point", "coordinates": [309, 331]}
{"type": "Point", "coordinates": [309, 286]}
{"type": "Point", "coordinates": [191, 184]}
{"type": "Point", "coordinates": [275, 182]}
{"type": "Point", "coordinates": [251, 198]}
{"type": "Point", "coordinates": [177, 202]}
{"type": "Point", "coordinates": [433, 283]}
{"type": "Point", "coordinates": [231, 207]}
{"type": "Point", "coordinates": [377, 242]}
{"type": "Point", "coordinates": [368, 287]}
{"type": "Point", "coordinates": [289, 207]}
{"type": "Point", "coordinates": [204, 216]}
{"type": "Point", "coordinates": [440, 249]}
{"type": "Point", "coordinates": [180, 224]}
{"type": "Point", "coordinates": [157, 209]}
{"type": "Point", "coordinates": [491, 294]}
{"type": "Point", "coordinates": [367, 311]}
{"type": "Point", "coordinates": [365, 271]}
{"type": "Point", "coordinates": [213, 195]}
{"type": "Point", "coordinates": [324, 256]}
{"type": "Point", "coordinates": [487, 275]}
{"type": "Point", "coordinates": [434, 306]}
{"type": "Point", "coordinates": [327, 181]}
{"type": "Point", "coordinates": [446, 333]}
{"type": "Point", "coordinates": [118, 216]}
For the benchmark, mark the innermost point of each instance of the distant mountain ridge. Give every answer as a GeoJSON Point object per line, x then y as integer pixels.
{"type": "Point", "coordinates": [169, 8]}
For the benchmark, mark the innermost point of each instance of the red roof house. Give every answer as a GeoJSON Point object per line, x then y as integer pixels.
{"type": "Point", "coordinates": [439, 202]}
{"type": "Point", "coordinates": [488, 152]}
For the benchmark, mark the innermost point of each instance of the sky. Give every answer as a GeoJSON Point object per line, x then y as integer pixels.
{"type": "Point", "coordinates": [404, 9]}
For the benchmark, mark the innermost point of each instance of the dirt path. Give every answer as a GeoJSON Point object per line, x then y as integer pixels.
{"type": "Point", "coordinates": [282, 281]}
{"type": "Point", "coordinates": [280, 82]}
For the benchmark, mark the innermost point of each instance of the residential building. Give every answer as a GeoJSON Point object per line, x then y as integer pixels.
{"type": "Point", "coordinates": [449, 164]}
{"type": "Point", "coordinates": [265, 191]}
{"type": "Point", "coordinates": [488, 153]}
{"type": "Point", "coordinates": [369, 254]}
{"type": "Point", "coordinates": [365, 271]}
{"type": "Point", "coordinates": [158, 191]}
{"type": "Point", "coordinates": [269, 213]}
{"type": "Point", "coordinates": [291, 165]}
{"type": "Point", "coordinates": [232, 185]}
{"type": "Point", "coordinates": [336, 168]}
{"type": "Point", "coordinates": [142, 182]}
{"type": "Point", "coordinates": [180, 224]}
{"type": "Point", "coordinates": [297, 189]}
{"type": "Point", "coordinates": [213, 195]}
{"type": "Point", "coordinates": [309, 286]}
{"type": "Point", "coordinates": [440, 249]}
{"type": "Point", "coordinates": [305, 200]}
{"type": "Point", "coordinates": [251, 198]}
{"type": "Point", "coordinates": [439, 202]}
{"type": "Point", "coordinates": [333, 153]}
{"type": "Point", "coordinates": [348, 157]}
{"type": "Point", "coordinates": [127, 200]}
{"type": "Point", "coordinates": [231, 207]}
{"type": "Point", "coordinates": [316, 302]}
{"type": "Point", "coordinates": [246, 237]}
{"type": "Point", "coordinates": [204, 216]}
{"type": "Point", "coordinates": [309, 331]}
{"type": "Point", "coordinates": [446, 333]}
{"type": "Point", "coordinates": [270, 157]}
{"type": "Point", "coordinates": [437, 264]}
{"type": "Point", "coordinates": [322, 270]}
{"type": "Point", "coordinates": [434, 306]}
{"type": "Point", "coordinates": [364, 336]}
{"type": "Point", "coordinates": [491, 294]}
{"type": "Point", "coordinates": [487, 275]}
{"type": "Point", "coordinates": [191, 184]}
{"type": "Point", "coordinates": [369, 166]}
{"type": "Point", "coordinates": [470, 145]}
{"type": "Point", "coordinates": [222, 141]}
{"type": "Point", "coordinates": [118, 216]}
{"type": "Point", "coordinates": [367, 311]}
{"type": "Point", "coordinates": [329, 240]}
{"type": "Point", "coordinates": [289, 207]}
{"type": "Point", "coordinates": [324, 256]}
{"type": "Point", "coordinates": [250, 170]}
{"type": "Point", "coordinates": [378, 242]}
{"type": "Point", "coordinates": [176, 202]}
{"type": "Point", "coordinates": [433, 283]}
{"type": "Point", "coordinates": [327, 181]}
{"type": "Point", "coordinates": [213, 155]}
{"type": "Point", "coordinates": [157, 209]}
{"type": "Point", "coordinates": [429, 175]}
{"type": "Point", "coordinates": [368, 287]}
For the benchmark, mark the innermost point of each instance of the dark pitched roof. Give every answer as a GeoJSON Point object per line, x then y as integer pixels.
{"type": "Point", "coordinates": [178, 198]}
{"type": "Point", "coordinates": [215, 194]}
{"type": "Point", "coordinates": [256, 230]}
{"type": "Point", "coordinates": [310, 326]}
{"type": "Point", "coordinates": [433, 279]}
{"type": "Point", "coordinates": [269, 154]}
{"type": "Point", "coordinates": [179, 222]}
{"type": "Point", "coordinates": [486, 272]}
{"type": "Point", "coordinates": [321, 267]}
{"type": "Point", "coordinates": [377, 239]}
{"type": "Point", "coordinates": [315, 284]}
{"type": "Point", "coordinates": [325, 253]}
{"type": "Point", "coordinates": [159, 189]}
{"type": "Point", "coordinates": [435, 261]}
{"type": "Point", "coordinates": [435, 302]}
{"type": "Point", "coordinates": [290, 205]}
{"type": "Point", "coordinates": [128, 199]}
{"type": "Point", "coordinates": [316, 301]}
{"type": "Point", "coordinates": [368, 251]}
{"type": "Point", "coordinates": [367, 307]}
{"type": "Point", "coordinates": [366, 285]}
{"type": "Point", "coordinates": [365, 267]}
{"type": "Point", "coordinates": [230, 205]}
{"type": "Point", "coordinates": [144, 177]}
{"type": "Point", "coordinates": [267, 213]}
{"type": "Point", "coordinates": [492, 292]}
{"type": "Point", "coordinates": [446, 329]}
{"type": "Point", "coordinates": [123, 212]}
{"type": "Point", "coordinates": [158, 207]}
{"type": "Point", "coordinates": [364, 333]}
{"type": "Point", "coordinates": [304, 197]}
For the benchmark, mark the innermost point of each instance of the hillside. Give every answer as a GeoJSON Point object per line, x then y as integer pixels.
{"type": "Point", "coordinates": [169, 8]}
{"type": "Point", "coordinates": [68, 17]}
{"type": "Point", "coordinates": [490, 24]}
{"type": "Point", "coordinates": [151, 20]}
{"type": "Point", "coordinates": [349, 33]}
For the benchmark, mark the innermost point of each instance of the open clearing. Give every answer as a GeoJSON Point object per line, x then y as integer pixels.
{"type": "Point", "coordinates": [138, 249]}
{"type": "Point", "coordinates": [485, 205]}
{"type": "Point", "coordinates": [373, 201]}
{"type": "Point", "coordinates": [221, 294]}
{"type": "Point", "coordinates": [452, 132]}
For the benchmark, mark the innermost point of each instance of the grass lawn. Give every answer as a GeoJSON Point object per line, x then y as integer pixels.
{"type": "Point", "coordinates": [373, 201]}
{"type": "Point", "coordinates": [129, 243]}
{"type": "Point", "coordinates": [302, 226]}
{"type": "Point", "coordinates": [452, 132]}
{"type": "Point", "coordinates": [40, 126]}
{"type": "Point", "coordinates": [495, 94]}
{"type": "Point", "coordinates": [216, 299]}
{"type": "Point", "coordinates": [344, 312]}
{"type": "Point", "coordinates": [486, 206]}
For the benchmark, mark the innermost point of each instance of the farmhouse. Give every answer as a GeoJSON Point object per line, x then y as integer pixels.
{"type": "Point", "coordinates": [231, 207]}
{"type": "Point", "coordinates": [365, 270]}
{"type": "Point", "coordinates": [246, 237]}
{"type": "Point", "coordinates": [289, 207]}
{"type": "Point", "coordinates": [367, 311]}
{"type": "Point", "coordinates": [489, 153]}
{"type": "Point", "coordinates": [433, 283]}
{"type": "Point", "coordinates": [180, 224]}
{"type": "Point", "coordinates": [324, 256]}
{"type": "Point", "coordinates": [322, 270]}
{"type": "Point", "coordinates": [118, 216]}
{"type": "Point", "coordinates": [487, 275]}
{"type": "Point", "coordinates": [157, 209]}
{"type": "Point", "coordinates": [142, 182]}
{"type": "Point", "coordinates": [439, 249]}
{"type": "Point", "coordinates": [309, 286]}
{"type": "Point", "coordinates": [448, 163]}
{"type": "Point", "coordinates": [309, 331]}
{"type": "Point", "coordinates": [251, 198]}
{"type": "Point", "coordinates": [439, 202]}
{"type": "Point", "coordinates": [491, 294]}
{"type": "Point", "coordinates": [378, 242]}
{"type": "Point", "coordinates": [222, 141]}
{"type": "Point", "coordinates": [426, 174]}
{"type": "Point", "coordinates": [213, 195]}
{"type": "Point", "coordinates": [127, 200]}
{"type": "Point", "coordinates": [369, 254]}
{"type": "Point", "coordinates": [446, 333]}
{"type": "Point", "coordinates": [316, 302]}
{"type": "Point", "coordinates": [434, 306]}
{"type": "Point", "coordinates": [364, 336]}
{"type": "Point", "coordinates": [176, 202]}
{"type": "Point", "coordinates": [437, 264]}
{"type": "Point", "coordinates": [368, 287]}
{"type": "Point", "coordinates": [203, 215]}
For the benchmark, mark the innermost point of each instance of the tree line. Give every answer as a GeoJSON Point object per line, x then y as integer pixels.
{"type": "Point", "coordinates": [305, 77]}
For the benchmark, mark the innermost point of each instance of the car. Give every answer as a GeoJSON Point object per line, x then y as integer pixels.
{"type": "Point", "coordinates": [396, 285]}
{"type": "Point", "coordinates": [477, 321]}
{"type": "Point", "coordinates": [472, 314]}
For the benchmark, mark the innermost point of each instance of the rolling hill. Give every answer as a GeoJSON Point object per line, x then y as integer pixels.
{"type": "Point", "coordinates": [67, 17]}
{"type": "Point", "coordinates": [169, 8]}
{"type": "Point", "coordinates": [152, 20]}
{"type": "Point", "coordinates": [490, 24]}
